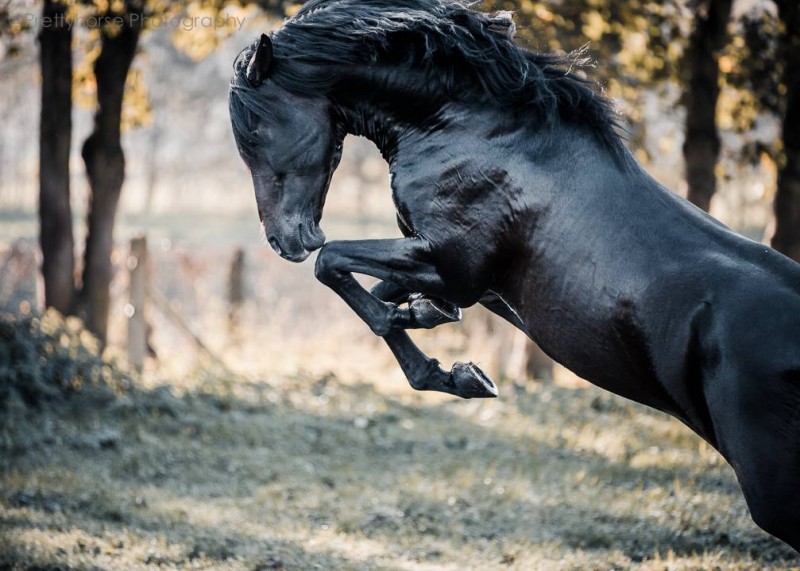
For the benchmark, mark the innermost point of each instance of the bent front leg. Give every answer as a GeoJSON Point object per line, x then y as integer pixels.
{"type": "Point", "coordinates": [406, 264]}
{"type": "Point", "coordinates": [424, 312]}
{"type": "Point", "coordinates": [441, 311]}
{"type": "Point", "coordinates": [465, 380]}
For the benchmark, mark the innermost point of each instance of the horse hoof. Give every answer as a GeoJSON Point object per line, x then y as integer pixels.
{"type": "Point", "coordinates": [470, 382]}
{"type": "Point", "coordinates": [427, 312]}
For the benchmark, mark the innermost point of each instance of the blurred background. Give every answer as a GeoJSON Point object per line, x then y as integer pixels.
{"type": "Point", "coordinates": [125, 103]}
{"type": "Point", "coordinates": [124, 204]}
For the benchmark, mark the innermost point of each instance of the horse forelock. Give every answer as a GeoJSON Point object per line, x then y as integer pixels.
{"type": "Point", "coordinates": [244, 103]}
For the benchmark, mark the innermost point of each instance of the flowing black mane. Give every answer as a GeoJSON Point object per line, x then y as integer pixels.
{"type": "Point", "coordinates": [467, 55]}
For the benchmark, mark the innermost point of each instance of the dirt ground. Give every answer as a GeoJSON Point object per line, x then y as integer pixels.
{"type": "Point", "coordinates": [317, 473]}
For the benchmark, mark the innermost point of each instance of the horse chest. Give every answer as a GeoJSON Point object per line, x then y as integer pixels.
{"type": "Point", "coordinates": [402, 212]}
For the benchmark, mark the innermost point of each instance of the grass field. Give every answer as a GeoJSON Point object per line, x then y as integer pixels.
{"type": "Point", "coordinates": [308, 450]}
{"type": "Point", "coordinates": [319, 473]}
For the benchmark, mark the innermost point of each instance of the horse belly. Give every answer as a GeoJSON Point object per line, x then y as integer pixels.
{"type": "Point", "coordinates": [606, 347]}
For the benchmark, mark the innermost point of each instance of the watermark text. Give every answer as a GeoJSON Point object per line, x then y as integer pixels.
{"type": "Point", "coordinates": [185, 23]}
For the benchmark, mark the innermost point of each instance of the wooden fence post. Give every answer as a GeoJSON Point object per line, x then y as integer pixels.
{"type": "Point", "coordinates": [539, 364]}
{"type": "Point", "coordinates": [513, 357]}
{"type": "Point", "coordinates": [236, 291]}
{"type": "Point", "coordinates": [137, 326]}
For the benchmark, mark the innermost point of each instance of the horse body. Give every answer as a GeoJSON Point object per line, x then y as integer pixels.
{"type": "Point", "coordinates": [612, 275]}
{"type": "Point", "coordinates": [628, 286]}
{"type": "Point", "coordinates": [541, 216]}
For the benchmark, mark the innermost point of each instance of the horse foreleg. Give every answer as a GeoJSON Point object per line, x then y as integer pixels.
{"type": "Point", "coordinates": [387, 291]}
{"type": "Point", "coordinates": [424, 312]}
{"type": "Point", "coordinates": [465, 380]}
{"type": "Point", "coordinates": [442, 311]}
{"type": "Point", "coordinates": [406, 264]}
{"type": "Point", "coordinates": [428, 312]}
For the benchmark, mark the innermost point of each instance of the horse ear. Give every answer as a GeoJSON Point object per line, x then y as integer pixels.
{"type": "Point", "coordinates": [259, 65]}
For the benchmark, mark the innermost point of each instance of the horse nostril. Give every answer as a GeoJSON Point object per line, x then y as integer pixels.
{"type": "Point", "coordinates": [311, 235]}
{"type": "Point", "coordinates": [275, 246]}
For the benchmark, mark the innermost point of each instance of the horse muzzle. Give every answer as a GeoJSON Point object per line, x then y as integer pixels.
{"type": "Point", "coordinates": [297, 246]}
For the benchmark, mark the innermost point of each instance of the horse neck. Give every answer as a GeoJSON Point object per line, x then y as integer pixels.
{"type": "Point", "coordinates": [384, 107]}
{"type": "Point", "coordinates": [364, 119]}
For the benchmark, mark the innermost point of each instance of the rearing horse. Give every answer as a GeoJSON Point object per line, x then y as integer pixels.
{"type": "Point", "coordinates": [512, 189]}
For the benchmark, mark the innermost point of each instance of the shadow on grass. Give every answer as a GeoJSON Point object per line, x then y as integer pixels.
{"type": "Point", "coordinates": [264, 483]}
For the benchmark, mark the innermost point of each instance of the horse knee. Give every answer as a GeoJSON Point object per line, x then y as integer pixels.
{"type": "Point", "coordinates": [325, 268]}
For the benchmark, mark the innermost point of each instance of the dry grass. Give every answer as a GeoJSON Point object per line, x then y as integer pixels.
{"type": "Point", "coordinates": [317, 473]}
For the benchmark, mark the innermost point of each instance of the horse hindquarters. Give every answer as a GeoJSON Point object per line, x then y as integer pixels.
{"type": "Point", "coordinates": [755, 408]}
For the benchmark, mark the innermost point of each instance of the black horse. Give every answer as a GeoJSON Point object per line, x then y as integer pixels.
{"type": "Point", "coordinates": [513, 189]}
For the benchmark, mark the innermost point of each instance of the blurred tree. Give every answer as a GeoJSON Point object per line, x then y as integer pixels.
{"type": "Point", "coordinates": [55, 134]}
{"type": "Point", "coordinates": [638, 44]}
{"type": "Point", "coordinates": [702, 144]}
{"type": "Point", "coordinates": [760, 69]}
{"type": "Point", "coordinates": [5, 17]}
{"type": "Point", "coordinates": [12, 29]}
{"type": "Point", "coordinates": [104, 159]}
{"type": "Point", "coordinates": [787, 199]}
{"type": "Point", "coordinates": [119, 24]}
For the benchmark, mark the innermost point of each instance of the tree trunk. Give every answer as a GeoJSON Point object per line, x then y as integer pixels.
{"type": "Point", "coordinates": [702, 145]}
{"type": "Point", "coordinates": [787, 199]}
{"type": "Point", "coordinates": [105, 167]}
{"type": "Point", "coordinates": [55, 134]}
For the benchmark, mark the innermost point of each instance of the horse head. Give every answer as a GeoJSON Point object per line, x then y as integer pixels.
{"type": "Point", "coordinates": [291, 145]}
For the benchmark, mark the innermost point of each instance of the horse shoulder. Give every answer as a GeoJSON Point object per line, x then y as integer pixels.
{"type": "Point", "coordinates": [454, 205]}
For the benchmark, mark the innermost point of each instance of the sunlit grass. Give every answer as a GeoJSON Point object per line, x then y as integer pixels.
{"type": "Point", "coordinates": [318, 473]}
